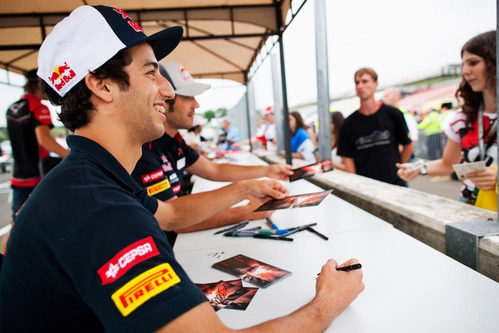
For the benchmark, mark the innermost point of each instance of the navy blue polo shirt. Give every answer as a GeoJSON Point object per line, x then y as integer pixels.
{"type": "Point", "coordinates": [86, 254]}
{"type": "Point", "coordinates": [155, 173]}
{"type": "Point", "coordinates": [180, 154]}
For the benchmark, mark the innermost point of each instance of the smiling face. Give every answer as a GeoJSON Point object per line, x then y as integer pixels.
{"type": "Point", "coordinates": [142, 105]}
{"type": "Point", "coordinates": [181, 115]}
{"type": "Point", "coordinates": [474, 71]}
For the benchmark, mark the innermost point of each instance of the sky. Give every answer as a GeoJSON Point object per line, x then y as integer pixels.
{"type": "Point", "coordinates": [402, 40]}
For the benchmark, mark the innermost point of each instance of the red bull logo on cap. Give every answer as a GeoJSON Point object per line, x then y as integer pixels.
{"type": "Point", "coordinates": [127, 17]}
{"type": "Point", "coordinates": [61, 75]}
{"type": "Point", "coordinates": [185, 74]}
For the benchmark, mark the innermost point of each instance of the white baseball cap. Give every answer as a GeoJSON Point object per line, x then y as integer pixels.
{"type": "Point", "coordinates": [181, 80]}
{"type": "Point", "coordinates": [88, 38]}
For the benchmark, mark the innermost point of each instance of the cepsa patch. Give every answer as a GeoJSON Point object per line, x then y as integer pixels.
{"type": "Point", "coordinates": [143, 287]}
{"type": "Point", "coordinates": [127, 258]}
{"type": "Point", "coordinates": [158, 187]}
{"type": "Point", "coordinates": [150, 177]}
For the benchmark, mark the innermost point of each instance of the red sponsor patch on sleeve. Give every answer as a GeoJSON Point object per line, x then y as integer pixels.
{"type": "Point", "coordinates": [127, 258]}
{"type": "Point", "coordinates": [152, 176]}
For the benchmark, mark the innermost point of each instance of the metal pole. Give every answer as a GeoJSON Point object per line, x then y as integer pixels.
{"type": "Point", "coordinates": [321, 57]}
{"type": "Point", "coordinates": [278, 113]}
{"type": "Point", "coordinates": [497, 88]}
{"type": "Point", "coordinates": [285, 111]}
{"type": "Point", "coordinates": [248, 118]}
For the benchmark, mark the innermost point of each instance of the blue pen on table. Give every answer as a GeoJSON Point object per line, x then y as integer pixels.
{"type": "Point", "coordinates": [235, 227]}
{"type": "Point", "coordinates": [271, 224]}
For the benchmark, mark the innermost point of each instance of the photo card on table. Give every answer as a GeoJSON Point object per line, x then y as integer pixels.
{"type": "Point", "coordinates": [295, 201]}
{"type": "Point", "coordinates": [251, 270]}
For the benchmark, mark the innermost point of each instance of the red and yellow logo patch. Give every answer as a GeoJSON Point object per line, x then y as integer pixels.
{"type": "Point", "coordinates": [143, 287]}
{"type": "Point", "coordinates": [158, 187]}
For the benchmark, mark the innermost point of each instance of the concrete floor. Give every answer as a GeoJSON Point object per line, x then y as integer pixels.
{"type": "Point", "coordinates": [442, 186]}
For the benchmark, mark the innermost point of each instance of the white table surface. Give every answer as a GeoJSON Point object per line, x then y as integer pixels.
{"type": "Point", "coordinates": [410, 287]}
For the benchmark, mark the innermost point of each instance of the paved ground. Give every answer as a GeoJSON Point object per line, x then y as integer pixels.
{"type": "Point", "coordinates": [442, 186]}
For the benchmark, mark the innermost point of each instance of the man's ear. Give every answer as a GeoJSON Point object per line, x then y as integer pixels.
{"type": "Point", "coordinates": [101, 88]}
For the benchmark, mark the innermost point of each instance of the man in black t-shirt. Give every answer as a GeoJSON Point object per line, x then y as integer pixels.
{"type": "Point", "coordinates": [370, 137]}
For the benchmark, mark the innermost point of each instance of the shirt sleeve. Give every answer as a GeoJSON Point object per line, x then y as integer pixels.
{"type": "Point", "coordinates": [452, 124]}
{"type": "Point", "coordinates": [402, 134]}
{"type": "Point", "coordinates": [128, 275]}
{"type": "Point", "coordinates": [191, 155]}
{"type": "Point", "coordinates": [151, 174]}
{"type": "Point", "coordinates": [42, 114]}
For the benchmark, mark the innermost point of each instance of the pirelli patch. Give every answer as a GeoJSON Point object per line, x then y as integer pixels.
{"type": "Point", "coordinates": [143, 287]}
{"type": "Point", "coordinates": [158, 187]}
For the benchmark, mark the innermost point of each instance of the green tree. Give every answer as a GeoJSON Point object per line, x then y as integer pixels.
{"type": "Point", "coordinates": [209, 115]}
{"type": "Point", "coordinates": [221, 112]}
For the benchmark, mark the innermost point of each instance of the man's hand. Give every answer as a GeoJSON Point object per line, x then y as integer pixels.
{"type": "Point", "coordinates": [336, 290]}
{"type": "Point", "coordinates": [263, 189]}
{"type": "Point", "coordinates": [279, 171]}
{"type": "Point", "coordinates": [406, 171]}
{"type": "Point", "coordinates": [484, 180]}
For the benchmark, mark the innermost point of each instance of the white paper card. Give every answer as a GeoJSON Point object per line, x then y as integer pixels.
{"type": "Point", "coordinates": [464, 168]}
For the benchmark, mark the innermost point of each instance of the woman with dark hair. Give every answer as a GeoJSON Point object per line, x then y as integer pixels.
{"type": "Point", "coordinates": [336, 122]}
{"type": "Point", "coordinates": [301, 144]}
{"type": "Point", "coordinates": [471, 131]}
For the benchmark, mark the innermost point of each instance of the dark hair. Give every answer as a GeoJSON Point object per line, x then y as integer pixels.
{"type": "Point", "coordinates": [337, 120]}
{"type": "Point", "coordinates": [299, 121]}
{"type": "Point", "coordinates": [366, 70]}
{"type": "Point", "coordinates": [76, 105]}
{"type": "Point", "coordinates": [31, 86]}
{"type": "Point", "coordinates": [483, 45]}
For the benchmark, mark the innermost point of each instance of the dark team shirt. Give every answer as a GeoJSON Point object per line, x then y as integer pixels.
{"type": "Point", "coordinates": [155, 173]}
{"type": "Point", "coordinates": [161, 167]}
{"type": "Point", "coordinates": [86, 254]}
{"type": "Point", "coordinates": [372, 141]}
{"type": "Point", "coordinates": [180, 154]}
{"type": "Point", "coordinates": [22, 118]}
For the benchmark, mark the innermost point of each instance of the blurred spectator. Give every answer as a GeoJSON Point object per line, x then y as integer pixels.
{"type": "Point", "coordinates": [477, 91]}
{"type": "Point", "coordinates": [301, 144]}
{"type": "Point", "coordinates": [28, 125]}
{"type": "Point", "coordinates": [431, 125]}
{"type": "Point", "coordinates": [370, 137]}
{"type": "Point", "coordinates": [227, 136]}
{"type": "Point", "coordinates": [391, 96]}
{"type": "Point", "coordinates": [336, 123]}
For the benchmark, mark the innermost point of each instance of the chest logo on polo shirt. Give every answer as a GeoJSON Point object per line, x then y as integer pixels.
{"type": "Point", "coordinates": [158, 187]}
{"type": "Point", "coordinates": [150, 177]}
{"type": "Point", "coordinates": [127, 258]}
{"type": "Point", "coordinates": [181, 163]}
{"type": "Point", "coordinates": [143, 287]}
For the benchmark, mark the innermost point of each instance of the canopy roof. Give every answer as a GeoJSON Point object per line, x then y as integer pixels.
{"type": "Point", "coordinates": [222, 38]}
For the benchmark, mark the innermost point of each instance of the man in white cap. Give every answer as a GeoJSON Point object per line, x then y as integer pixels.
{"type": "Point", "coordinates": [170, 156]}
{"type": "Point", "coordinates": [86, 253]}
